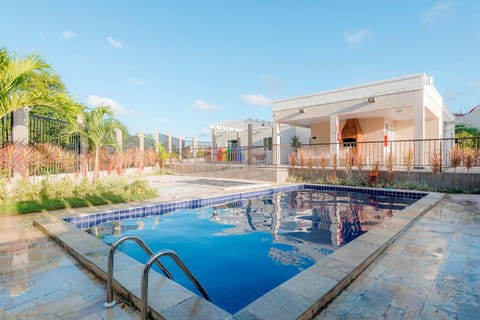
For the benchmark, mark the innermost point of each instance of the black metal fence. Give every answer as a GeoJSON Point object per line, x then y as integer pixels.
{"type": "Point", "coordinates": [6, 125]}
{"type": "Point", "coordinates": [52, 131]}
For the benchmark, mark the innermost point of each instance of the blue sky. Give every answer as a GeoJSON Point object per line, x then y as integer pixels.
{"type": "Point", "coordinates": [181, 65]}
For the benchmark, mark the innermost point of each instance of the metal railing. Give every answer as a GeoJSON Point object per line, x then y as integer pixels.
{"type": "Point", "coordinates": [52, 131]}
{"type": "Point", "coordinates": [6, 125]}
{"type": "Point", "coordinates": [399, 153]}
{"type": "Point", "coordinates": [110, 302]}
{"type": "Point", "coordinates": [153, 259]}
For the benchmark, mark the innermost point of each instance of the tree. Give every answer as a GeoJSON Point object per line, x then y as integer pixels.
{"type": "Point", "coordinates": [467, 137]}
{"type": "Point", "coordinates": [295, 142]}
{"type": "Point", "coordinates": [97, 128]}
{"type": "Point", "coordinates": [31, 82]}
{"type": "Point", "coordinates": [163, 155]}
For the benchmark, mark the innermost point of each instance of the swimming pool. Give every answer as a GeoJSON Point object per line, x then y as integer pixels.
{"type": "Point", "coordinates": [242, 249]}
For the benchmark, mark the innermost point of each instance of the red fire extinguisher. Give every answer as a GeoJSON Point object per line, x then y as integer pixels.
{"type": "Point", "coordinates": [385, 140]}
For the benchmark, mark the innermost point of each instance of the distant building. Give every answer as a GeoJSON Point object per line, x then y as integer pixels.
{"type": "Point", "coordinates": [234, 134]}
{"type": "Point", "coordinates": [471, 119]}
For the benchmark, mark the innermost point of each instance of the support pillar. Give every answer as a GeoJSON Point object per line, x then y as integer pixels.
{"type": "Point", "coordinates": [419, 134]}
{"type": "Point", "coordinates": [119, 139]}
{"type": "Point", "coordinates": [20, 126]}
{"type": "Point", "coordinates": [156, 138]}
{"type": "Point", "coordinates": [169, 147]}
{"type": "Point", "coordinates": [194, 147]}
{"type": "Point", "coordinates": [250, 143]}
{"type": "Point", "coordinates": [180, 148]}
{"type": "Point", "coordinates": [83, 143]}
{"type": "Point", "coordinates": [276, 152]}
{"type": "Point", "coordinates": [213, 154]}
{"type": "Point", "coordinates": [141, 138]}
{"type": "Point", "coordinates": [335, 137]}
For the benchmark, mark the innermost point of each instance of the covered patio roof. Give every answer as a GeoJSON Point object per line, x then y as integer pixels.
{"type": "Point", "coordinates": [394, 99]}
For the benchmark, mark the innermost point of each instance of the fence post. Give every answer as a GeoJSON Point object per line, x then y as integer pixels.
{"type": "Point", "coordinates": [169, 142]}
{"type": "Point", "coordinates": [214, 145]}
{"type": "Point", "coordinates": [141, 138]}
{"type": "Point", "coordinates": [156, 139]}
{"type": "Point", "coordinates": [180, 148]}
{"type": "Point", "coordinates": [20, 126]}
{"type": "Point", "coordinates": [194, 147]}
{"type": "Point", "coordinates": [250, 142]}
{"type": "Point", "coordinates": [119, 139]}
{"type": "Point", "coordinates": [83, 143]}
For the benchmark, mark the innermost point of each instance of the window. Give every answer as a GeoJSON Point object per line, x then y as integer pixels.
{"type": "Point", "coordinates": [350, 142]}
{"type": "Point", "coordinates": [267, 143]}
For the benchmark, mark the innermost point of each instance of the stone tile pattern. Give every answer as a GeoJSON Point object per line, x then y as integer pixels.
{"type": "Point", "coordinates": [431, 272]}
{"type": "Point", "coordinates": [38, 280]}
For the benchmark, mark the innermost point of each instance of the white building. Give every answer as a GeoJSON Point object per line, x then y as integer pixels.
{"type": "Point", "coordinates": [234, 134]}
{"type": "Point", "coordinates": [406, 108]}
{"type": "Point", "coordinates": [471, 119]}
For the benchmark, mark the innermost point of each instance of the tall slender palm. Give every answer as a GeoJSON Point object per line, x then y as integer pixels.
{"type": "Point", "coordinates": [97, 128]}
{"type": "Point", "coordinates": [30, 82]}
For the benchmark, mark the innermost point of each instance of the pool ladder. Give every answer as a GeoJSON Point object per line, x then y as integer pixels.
{"type": "Point", "coordinates": [153, 258]}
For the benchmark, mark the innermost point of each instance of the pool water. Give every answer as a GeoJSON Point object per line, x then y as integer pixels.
{"type": "Point", "coordinates": [241, 250]}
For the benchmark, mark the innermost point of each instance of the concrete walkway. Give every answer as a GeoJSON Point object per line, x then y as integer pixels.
{"type": "Point", "coordinates": [432, 271]}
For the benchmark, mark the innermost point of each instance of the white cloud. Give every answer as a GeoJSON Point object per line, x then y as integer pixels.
{"type": "Point", "coordinates": [356, 36]}
{"type": "Point", "coordinates": [116, 107]}
{"type": "Point", "coordinates": [114, 42]}
{"type": "Point", "coordinates": [257, 99]}
{"type": "Point", "coordinates": [436, 11]}
{"type": "Point", "coordinates": [135, 81]}
{"type": "Point", "coordinates": [68, 34]}
{"type": "Point", "coordinates": [200, 105]}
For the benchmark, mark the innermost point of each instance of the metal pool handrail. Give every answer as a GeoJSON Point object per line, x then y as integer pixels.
{"type": "Point", "coordinates": [182, 266]}
{"type": "Point", "coordinates": [110, 302]}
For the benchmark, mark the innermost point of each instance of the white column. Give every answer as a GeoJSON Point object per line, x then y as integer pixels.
{"type": "Point", "coordinates": [276, 144]}
{"type": "Point", "coordinates": [141, 138]}
{"type": "Point", "coordinates": [20, 126]}
{"type": "Point", "coordinates": [119, 139]}
{"type": "Point", "coordinates": [180, 148]}
{"type": "Point", "coordinates": [335, 136]}
{"type": "Point", "coordinates": [156, 138]}
{"type": "Point", "coordinates": [194, 147]}
{"type": "Point", "coordinates": [250, 142]}
{"type": "Point", "coordinates": [169, 142]}
{"type": "Point", "coordinates": [83, 142]}
{"type": "Point", "coordinates": [214, 145]}
{"type": "Point", "coordinates": [419, 133]}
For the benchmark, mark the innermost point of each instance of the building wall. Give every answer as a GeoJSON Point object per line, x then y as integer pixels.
{"type": "Point", "coordinates": [432, 129]}
{"type": "Point", "coordinates": [372, 129]}
{"type": "Point", "coordinates": [322, 132]}
{"type": "Point", "coordinates": [403, 129]}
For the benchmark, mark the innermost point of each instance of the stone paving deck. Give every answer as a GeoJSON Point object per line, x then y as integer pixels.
{"type": "Point", "coordinates": [431, 272]}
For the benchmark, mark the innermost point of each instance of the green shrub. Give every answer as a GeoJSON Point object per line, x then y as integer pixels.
{"type": "Point", "coordinates": [82, 189]}
{"type": "Point", "coordinates": [24, 190]}
{"type": "Point", "coordinates": [139, 187]}
{"type": "Point", "coordinates": [59, 189]}
{"type": "Point", "coordinates": [3, 189]}
{"type": "Point", "coordinates": [111, 186]}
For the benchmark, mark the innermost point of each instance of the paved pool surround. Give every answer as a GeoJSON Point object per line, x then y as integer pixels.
{"type": "Point", "coordinates": [301, 297]}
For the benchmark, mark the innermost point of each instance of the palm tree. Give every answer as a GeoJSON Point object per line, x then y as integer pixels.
{"type": "Point", "coordinates": [163, 155]}
{"type": "Point", "coordinates": [30, 82]}
{"type": "Point", "coordinates": [97, 128]}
